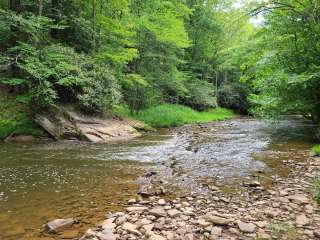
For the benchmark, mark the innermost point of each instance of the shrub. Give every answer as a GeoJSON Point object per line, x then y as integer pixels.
{"type": "Point", "coordinates": [15, 118]}
{"type": "Point", "coordinates": [200, 95]}
{"type": "Point", "coordinates": [234, 96]}
{"type": "Point", "coordinates": [56, 73]}
{"type": "Point", "coordinates": [99, 91]}
{"type": "Point", "coordinates": [316, 150]}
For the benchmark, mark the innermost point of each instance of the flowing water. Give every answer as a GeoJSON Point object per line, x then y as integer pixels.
{"type": "Point", "coordinates": [41, 182]}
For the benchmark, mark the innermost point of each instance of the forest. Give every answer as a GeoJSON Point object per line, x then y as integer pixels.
{"type": "Point", "coordinates": [125, 56]}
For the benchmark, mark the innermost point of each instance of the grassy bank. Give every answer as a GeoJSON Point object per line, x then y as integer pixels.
{"type": "Point", "coordinates": [15, 118]}
{"type": "Point", "coordinates": [168, 115]}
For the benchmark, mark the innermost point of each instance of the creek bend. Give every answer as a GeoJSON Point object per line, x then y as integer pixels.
{"type": "Point", "coordinates": [41, 182]}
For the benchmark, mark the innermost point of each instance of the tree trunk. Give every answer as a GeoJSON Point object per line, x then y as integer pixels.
{"type": "Point", "coordinates": [15, 5]}
{"type": "Point", "coordinates": [55, 16]}
{"type": "Point", "coordinates": [94, 16]}
{"type": "Point", "coordinates": [216, 83]}
{"type": "Point", "coordinates": [40, 7]}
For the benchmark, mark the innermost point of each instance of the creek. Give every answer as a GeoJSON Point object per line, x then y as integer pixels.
{"type": "Point", "coordinates": [44, 181]}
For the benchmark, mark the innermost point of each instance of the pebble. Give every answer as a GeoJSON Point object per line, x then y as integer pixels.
{"type": "Point", "coordinates": [132, 201]}
{"type": "Point", "coordinates": [302, 220]}
{"type": "Point", "coordinates": [158, 212]}
{"type": "Point", "coordinates": [162, 202]}
{"type": "Point", "coordinates": [137, 209]}
{"type": "Point", "coordinates": [174, 213]}
{"type": "Point", "coordinates": [131, 228]}
{"type": "Point", "coordinates": [217, 220]}
{"type": "Point", "coordinates": [216, 231]}
{"type": "Point", "coordinates": [246, 227]}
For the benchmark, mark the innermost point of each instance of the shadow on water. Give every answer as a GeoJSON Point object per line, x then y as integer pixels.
{"type": "Point", "coordinates": [41, 182]}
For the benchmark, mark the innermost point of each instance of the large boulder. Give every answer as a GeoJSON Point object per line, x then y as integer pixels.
{"type": "Point", "coordinates": [57, 123]}
{"type": "Point", "coordinates": [64, 124]}
{"type": "Point", "coordinates": [95, 129]}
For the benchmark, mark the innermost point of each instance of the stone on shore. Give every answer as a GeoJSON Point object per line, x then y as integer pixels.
{"type": "Point", "coordinates": [299, 198]}
{"type": "Point", "coordinates": [158, 212]}
{"type": "Point", "coordinates": [162, 202]}
{"type": "Point", "coordinates": [246, 227]}
{"type": "Point", "coordinates": [156, 237]}
{"type": "Point", "coordinates": [132, 201]}
{"type": "Point", "coordinates": [217, 220]}
{"type": "Point", "coordinates": [137, 209]}
{"type": "Point", "coordinates": [131, 228]}
{"type": "Point", "coordinates": [302, 220]}
{"type": "Point", "coordinates": [216, 231]}
{"type": "Point", "coordinates": [174, 213]}
{"type": "Point", "coordinates": [106, 235]}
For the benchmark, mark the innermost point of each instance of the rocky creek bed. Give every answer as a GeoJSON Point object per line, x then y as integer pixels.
{"type": "Point", "coordinates": [285, 211]}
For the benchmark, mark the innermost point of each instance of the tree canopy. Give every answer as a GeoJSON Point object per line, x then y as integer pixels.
{"type": "Point", "coordinates": [139, 53]}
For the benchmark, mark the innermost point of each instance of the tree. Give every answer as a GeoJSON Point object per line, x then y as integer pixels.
{"type": "Point", "coordinates": [285, 65]}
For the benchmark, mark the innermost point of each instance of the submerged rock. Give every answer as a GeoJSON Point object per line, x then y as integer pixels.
{"type": "Point", "coordinates": [20, 138]}
{"type": "Point", "coordinates": [71, 234]}
{"type": "Point", "coordinates": [59, 224]}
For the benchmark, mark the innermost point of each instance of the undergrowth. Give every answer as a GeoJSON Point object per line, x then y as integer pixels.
{"type": "Point", "coordinates": [15, 118]}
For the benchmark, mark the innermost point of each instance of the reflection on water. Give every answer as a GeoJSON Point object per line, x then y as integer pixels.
{"type": "Point", "coordinates": [41, 182]}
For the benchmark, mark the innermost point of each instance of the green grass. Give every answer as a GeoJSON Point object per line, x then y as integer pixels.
{"type": "Point", "coordinates": [282, 230]}
{"type": "Point", "coordinates": [170, 115]}
{"type": "Point", "coordinates": [122, 111]}
{"type": "Point", "coordinates": [316, 150]}
{"type": "Point", "coordinates": [14, 118]}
